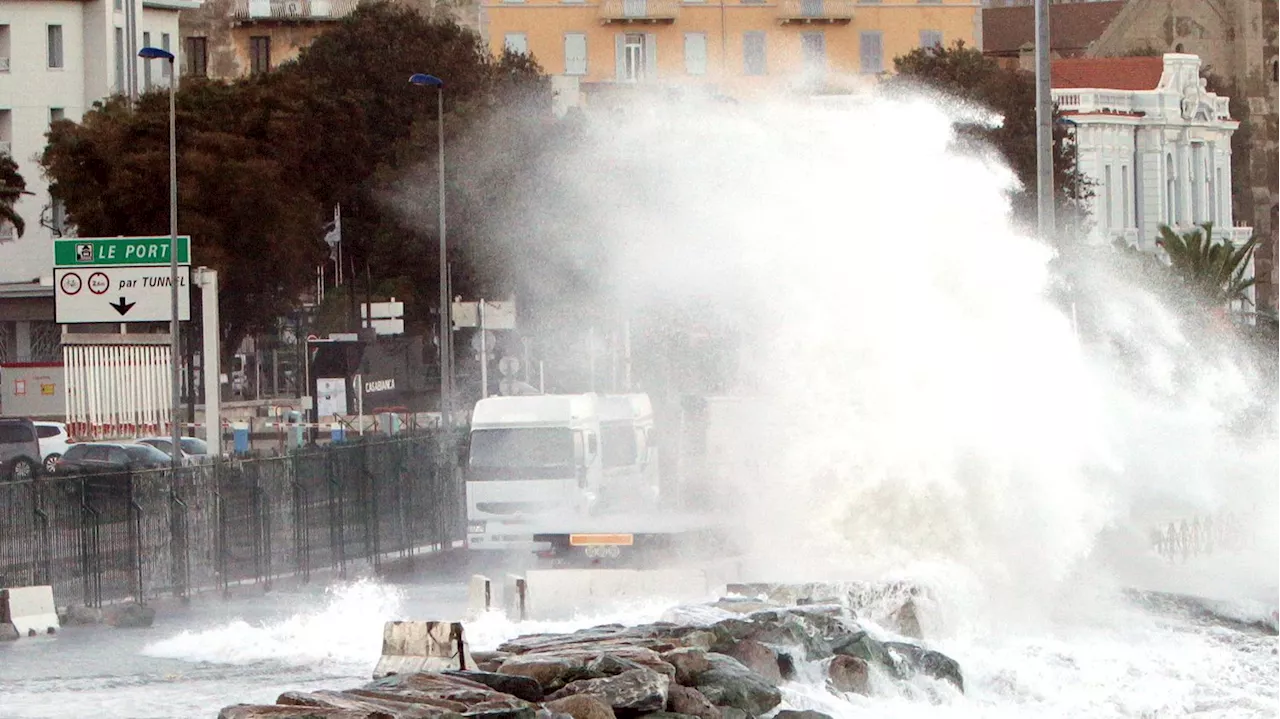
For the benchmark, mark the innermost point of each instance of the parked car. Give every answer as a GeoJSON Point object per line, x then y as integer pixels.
{"type": "Point", "coordinates": [194, 451]}
{"type": "Point", "coordinates": [54, 441]}
{"type": "Point", "coordinates": [94, 457]}
{"type": "Point", "coordinates": [19, 449]}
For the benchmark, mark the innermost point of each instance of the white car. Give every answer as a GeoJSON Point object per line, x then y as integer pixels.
{"type": "Point", "coordinates": [53, 443]}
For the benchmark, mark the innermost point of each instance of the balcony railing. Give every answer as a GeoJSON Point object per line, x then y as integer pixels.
{"type": "Point", "coordinates": [828, 12]}
{"type": "Point", "coordinates": [292, 10]}
{"type": "Point", "coordinates": [1091, 102]}
{"type": "Point", "coordinates": [639, 11]}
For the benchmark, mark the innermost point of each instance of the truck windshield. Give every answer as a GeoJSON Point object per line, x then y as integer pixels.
{"type": "Point", "coordinates": [619, 445]}
{"type": "Point", "coordinates": [536, 449]}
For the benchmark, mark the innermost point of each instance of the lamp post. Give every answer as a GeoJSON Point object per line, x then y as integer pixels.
{"type": "Point", "coordinates": [155, 53]}
{"type": "Point", "coordinates": [446, 323]}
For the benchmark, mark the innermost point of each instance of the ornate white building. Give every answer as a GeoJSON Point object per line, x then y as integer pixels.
{"type": "Point", "coordinates": [1155, 143]}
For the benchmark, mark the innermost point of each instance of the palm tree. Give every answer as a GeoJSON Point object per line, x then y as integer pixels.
{"type": "Point", "coordinates": [11, 187]}
{"type": "Point", "coordinates": [1214, 271]}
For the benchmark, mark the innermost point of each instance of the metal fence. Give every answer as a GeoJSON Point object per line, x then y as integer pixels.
{"type": "Point", "coordinates": [140, 535]}
{"type": "Point", "coordinates": [1202, 536]}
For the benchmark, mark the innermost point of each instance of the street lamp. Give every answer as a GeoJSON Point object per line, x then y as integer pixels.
{"type": "Point", "coordinates": [155, 53]}
{"type": "Point", "coordinates": [446, 323]}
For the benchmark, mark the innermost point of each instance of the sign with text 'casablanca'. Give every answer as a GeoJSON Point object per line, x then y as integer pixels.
{"type": "Point", "coordinates": [135, 251]}
{"type": "Point", "coordinates": [119, 279]}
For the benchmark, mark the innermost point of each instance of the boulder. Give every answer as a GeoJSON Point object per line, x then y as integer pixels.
{"type": "Point", "coordinates": [515, 685]}
{"type": "Point", "coordinates": [484, 711]}
{"type": "Point", "coordinates": [636, 691]}
{"type": "Point", "coordinates": [733, 713]}
{"type": "Point", "coordinates": [550, 672]}
{"type": "Point", "coordinates": [758, 658]}
{"type": "Point", "coordinates": [703, 639]}
{"type": "Point", "coordinates": [80, 615]}
{"type": "Point", "coordinates": [605, 638]}
{"type": "Point", "coordinates": [849, 674]}
{"type": "Point", "coordinates": [928, 662]}
{"type": "Point", "coordinates": [688, 662]}
{"type": "Point", "coordinates": [805, 714]}
{"type": "Point", "coordinates": [341, 700]}
{"type": "Point", "coordinates": [488, 661]}
{"type": "Point", "coordinates": [448, 692]}
{"type": "Point", "coordinates": [581, 706]}
{"type": "Point", "coordinates": [907, 621]}
{"type": "Point", "coordinates": [275, 711]}
{"type": "Point", "coordinates": [864, 647]}
{"type": "Point", "coordinates": [130, 616]}
{"type": "Point", "coordinates": [608, 665]}
{"type": "Point", "coordinates": [729, 683]}
{"type": "Point", "coordinates": [690, 701]}
{"type": "Point", "coordinates": [545, 713]}
{"type": "Point", "coordinates": [786, 666]}
{"type": "Point", "coordinates": [667, 715]}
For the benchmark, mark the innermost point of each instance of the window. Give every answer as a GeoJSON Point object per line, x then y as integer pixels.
{"type": "Point", "coordinates": [575, 53]}
{"type": "Point", "coordinates": [813, 47]}
{"type": "Point", "coordinates": [197, 57]}
{"type": "Point", "coordinates": [146, 64]}
{"type": "Point", "coordinates": [516, 42]}
{"type": "Point", "coordinates": [165, 67]}
{"type": "Point", "coordinates": [56, 113]}
{"type": "Point", "coordinates": [119, 5]}
{"type": "Point", "coordinates": [525, 453]}
{"type": "Point", "coordinates": [1107, 192]}
{"type": "Point", "coordinates": [55, 46]}
{"type": "Point", "coordinates": [1125, 207]}
{"type": "Point", "coordinates": [120, 87]}
{"type": "Point", "coordinates": [259, 54]}
{"type": "Point", "coordinates": [871, 51]}
{"type": "Point", "coordinates": [44, 431]}
{"type": "Point", "coordinates": [695, 53]}
{"type": "Point", "coordinates": [930, 38]}
{"type": "Point", "coordinates": [753, 53]}
{"type": "Point", "coordinates": [4, 48]}
{"type": "Point", "coordinates": [634, 57]}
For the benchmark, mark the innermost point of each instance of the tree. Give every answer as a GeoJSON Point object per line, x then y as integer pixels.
{"type": "Point", "coordinates": [1214, 272]}
{"type": "Point", "coordinates": [966, 74]}
{"type": "Point", "coordinates": [12, 186]}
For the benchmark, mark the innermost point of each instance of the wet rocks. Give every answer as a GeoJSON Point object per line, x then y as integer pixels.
{"type": "Point", "coordinates": [758, 658]}
{"type": "Point", "coordinates": [729, 683]}
{"type": "Point", "coordinates": [928, 662]}
{"type": "Point", "coordinates": [581, 706]}
{"type": "Point", "coordinates": [517, 686]}
{"type": "Point", "coordinates": [688, 663]}
{"type": "Point", "coordinates": [691, 702]}
{"type": "Point", "coordinates": [636, 691]}
{"type": "Point", "coordinates": [848, 674]}
{"type": "Point", "coordinates": [79, 615]}
{"type": "Point", "coordinates": [130, 616]}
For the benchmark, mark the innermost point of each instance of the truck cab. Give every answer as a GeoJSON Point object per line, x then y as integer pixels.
{"type": "Point", "coordinates": [629, 453]}
{"type": "Point", "coordinates": [532, 460]}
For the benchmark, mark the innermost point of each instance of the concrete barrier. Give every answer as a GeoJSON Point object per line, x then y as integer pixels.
{"type": "Point", "coordinates": [28, 611]}
{"type": "Point", "coordinates": [561, 593]}
{"type": "Point", "coordinates": [515, 597]}
{"type": "Point", "coordinates": [411, 647]}
{"type": "Point", "coordinates": [479, 595]}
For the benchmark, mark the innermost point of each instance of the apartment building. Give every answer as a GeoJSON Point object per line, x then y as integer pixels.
{"type": "Point", "coordinates": [229, 39]}
{"type": "Point", "coordinates": [731, 47]}
{"type": "Point", "coordinates": [58, 57]}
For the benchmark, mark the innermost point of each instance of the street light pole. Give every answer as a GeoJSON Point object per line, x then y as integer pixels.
{"type": "Point", "coordinates": [175, 397]}
{"type": "Point", "coordinates": [446, 323]}
{"type": "Point", "coordinates": [1044, 124]}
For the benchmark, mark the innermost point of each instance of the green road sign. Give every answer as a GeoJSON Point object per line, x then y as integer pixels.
{"type": "Point", "coordinates": [135, 251]}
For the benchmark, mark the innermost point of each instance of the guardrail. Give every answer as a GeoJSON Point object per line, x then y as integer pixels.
{"type": "Point", "coordinates": [110, 537]}
{"type": "Point", "coordinates": [1184, 539]}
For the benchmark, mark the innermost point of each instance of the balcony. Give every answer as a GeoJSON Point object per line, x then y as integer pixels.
{"type": "Point", "coordinates": [643, 12]}
{"type": "Point", "coordinates": [247, 11]}
{"type": "Point", "coordinates": [815, 12]}
{"type": "Point", "coordinates": [1093, 102]}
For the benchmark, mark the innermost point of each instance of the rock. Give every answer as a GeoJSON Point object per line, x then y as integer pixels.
{"type": "Point", "coordinates": [907, 620]}
{"type": "Point", "coordinates": [581, 706]}
{"type": "Point", "coordinates": [8, 632]}
{"type": "Point", "coordinates": [440, 690]}
{"type": "Point", "coordinates": [130, 616]}
{"type": "Point", "coordinates": [701, 639]}
{"type": "Point", "coordinates": [667, 715]}
{"type": "Point", "coordinates": [729, 683]}
{"type": "Point", "coordinates": [515, 685]}
{"type": "Point", "coordinates": [733, 713]}
{"type": "Point", "coordinates": [489, 661]}
{"type": "Point", "coordinates": [548, 714]}
{"type": "Point", "coordinates": [80, 615]}
{"type": "Point", "coordinates": [849, 674]}
{"type": "Point", "coordinates": [862, 646]}
{"type": "Point", "coordinates": [274, 711]}
{"type": "Point", "coordinates": [806, 714]}
{"type": "Point", "coordinates": [637, 691]}
{"type": "Point", "coordinates": [549, 672]}
{"type": "Point", "coordinates": [786, 666]}
{"type": "Point", "coordinates": [758, 658]}
{"type": "Point", "coordinates": [481, 711]}
{"type": "Point", "coordinates": [382, 707]}
{"type": "Point", "coordinates": [603, 639]}
{"type": "Point", "coordinates": [608, 665]}
{"type": "Point", "coordinates": [690, 701]}
{"type": "Point", "coordinates": [688, 662]}
{"type": "Point", "coordinates": [929, 662]}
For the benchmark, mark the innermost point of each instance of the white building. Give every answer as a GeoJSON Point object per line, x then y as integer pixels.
{"type": "Point", "coordinates": [1155, 143]}
{"type": "Point", "coordinates": [58, 57]}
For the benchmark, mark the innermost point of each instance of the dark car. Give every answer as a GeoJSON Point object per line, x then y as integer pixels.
{"type": "Point", "coordinates": [96, 457]}
{"type": "Point", "coordinates": [19, 449]}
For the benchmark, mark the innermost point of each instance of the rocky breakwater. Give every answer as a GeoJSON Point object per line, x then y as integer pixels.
{"type": "Point", "coordinates": [728, 663]}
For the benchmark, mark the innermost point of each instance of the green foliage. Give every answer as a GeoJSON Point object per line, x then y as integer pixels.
{"type": "Point", "coordinates": [12, 186]}
{"type": "Point", "coordinates": [263, 160]}
{"type": "Point", "coordinates": [967, 75]}
{"type": "Point", "coordinates": [1214, 272]}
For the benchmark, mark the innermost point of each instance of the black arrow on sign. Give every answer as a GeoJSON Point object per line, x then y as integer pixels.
{"type": "Point", "coordinates": [123, 307]}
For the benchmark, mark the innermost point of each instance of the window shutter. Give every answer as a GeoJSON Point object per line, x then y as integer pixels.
{"type": "Point", "coordinates": [575, 53]}
{"type": "Point", "coordinates": [650, 56]}
{"type": "Point", "coordinates": [871, 52]}
{"type": "Point", "coordinates": [620, 56]}
{"type": "Point", "coordinates": [517, 42]}
{"type": "Point", "coordinates": [695, 53]}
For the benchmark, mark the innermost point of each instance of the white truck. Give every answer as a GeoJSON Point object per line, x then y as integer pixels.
{"type": "Point", "coordinates": [569, 477]}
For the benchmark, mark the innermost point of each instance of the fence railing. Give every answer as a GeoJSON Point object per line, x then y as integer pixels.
{"type": "Point", "coordinates": [110, 537]}
{"type": "Point", "coordinates": [1201, 536]}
